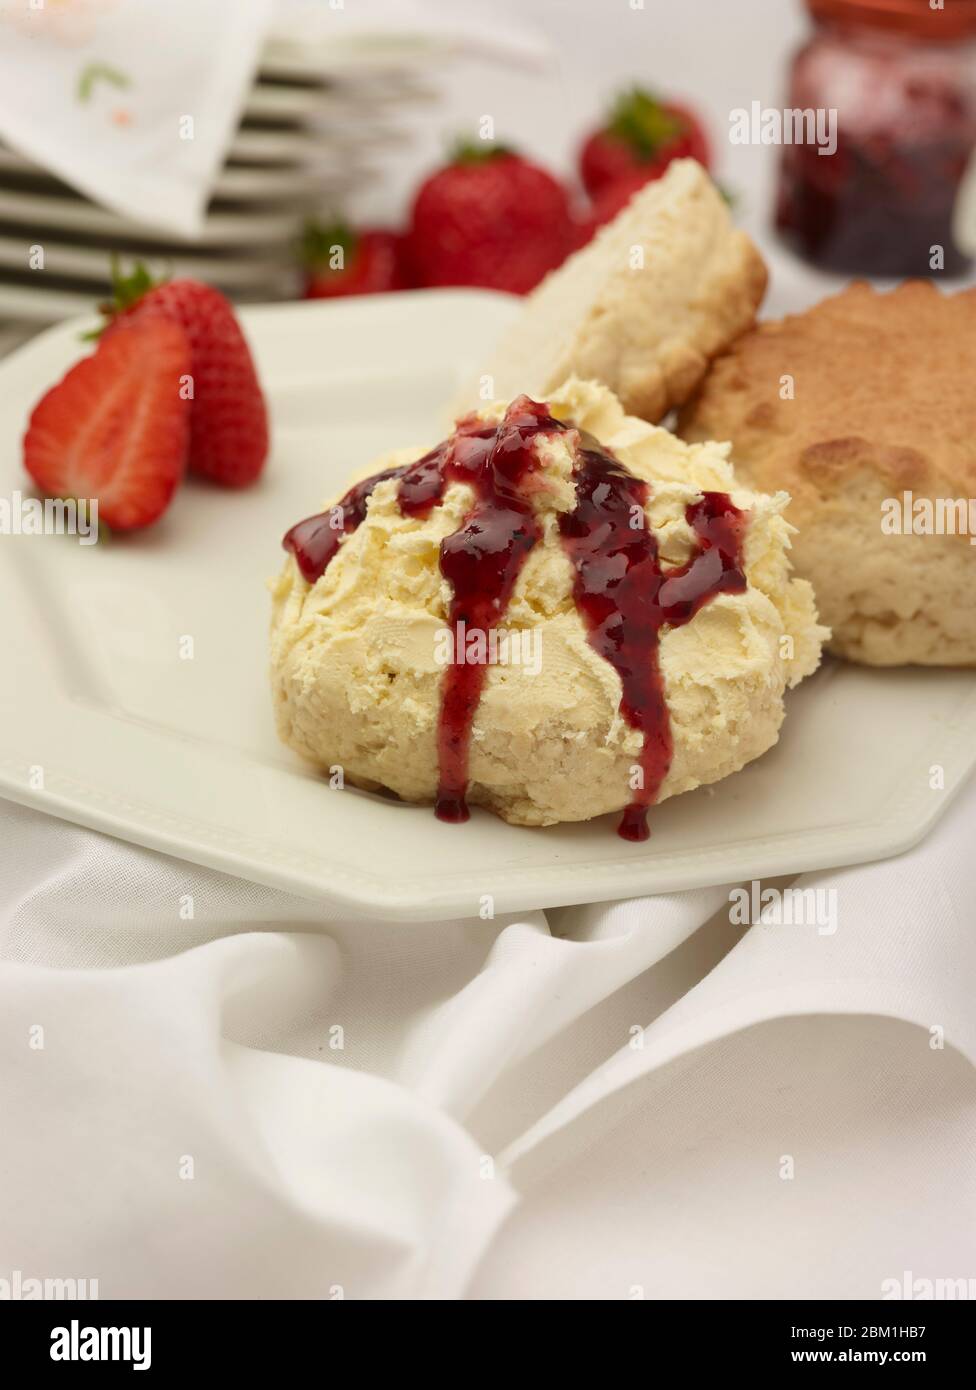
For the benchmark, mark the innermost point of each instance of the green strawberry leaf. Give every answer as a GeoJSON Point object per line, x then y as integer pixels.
{"type": "Point", "coordinates": [642, 121]}
{"type": "Point", "coordinates": [319, 240]}
{"type": "Point", "coordinates": [466, 151]}
{"type": "Point", "coordinates": [127, 290]}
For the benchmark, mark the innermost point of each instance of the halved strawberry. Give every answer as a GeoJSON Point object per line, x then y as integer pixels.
{"type": "Point", "coordinates": [228, 418]}
{"type": "Point", "coordinates": [116, 427]}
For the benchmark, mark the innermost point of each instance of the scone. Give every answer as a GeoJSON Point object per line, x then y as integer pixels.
{"type": "Point", "coordinates": [864, 410]}
{"type": "Point", "coordinates": [558, 612]}
{"type": "Point", "coordinates": [643, 308]}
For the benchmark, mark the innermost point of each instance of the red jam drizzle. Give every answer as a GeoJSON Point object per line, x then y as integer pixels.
{"type": "Point", "coordinates": [620, 590]}
{"type": "Point", "coordinates": [314, 541]}
{"type": "Point", "coordinates": [624, 597]}
{"type": "Point", "coordinates": [481, 561]}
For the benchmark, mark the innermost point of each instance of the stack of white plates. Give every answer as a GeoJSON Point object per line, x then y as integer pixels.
{"type": "Point", "coordinates": [312, 129]}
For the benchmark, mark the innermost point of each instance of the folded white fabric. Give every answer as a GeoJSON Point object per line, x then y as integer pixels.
{"type": "Point", "coordinates": [211, 1089]}
{"type": "Point", "coordinates": [132, 102]}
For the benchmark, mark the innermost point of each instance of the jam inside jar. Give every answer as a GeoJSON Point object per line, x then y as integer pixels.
{"type": "Point", "coordinates": [901, 77]}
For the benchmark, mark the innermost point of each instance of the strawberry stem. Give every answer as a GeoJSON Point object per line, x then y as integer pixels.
{"type": "Point", "coordinates": [465, 151]}
{"type": "Point", "coordinates": [319, 241]}
{"type": "Point", "coordinates": [643, 122]}
{"type": "Point", "coordinates": [127, 290]}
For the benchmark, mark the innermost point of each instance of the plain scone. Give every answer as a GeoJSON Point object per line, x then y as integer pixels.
{"type": "Point", "coordinates": [355, 681]}
{"type": "Point", "coordinates": [646, 331]}
{"type": "Point", "coordinates": [884, 403]}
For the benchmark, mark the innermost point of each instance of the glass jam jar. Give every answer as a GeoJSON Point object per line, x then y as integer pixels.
{"type": "Point", "coordinates": [901, 76]}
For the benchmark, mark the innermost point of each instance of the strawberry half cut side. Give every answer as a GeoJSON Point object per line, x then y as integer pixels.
{"type": "Point", "coordinates": [116, 427]}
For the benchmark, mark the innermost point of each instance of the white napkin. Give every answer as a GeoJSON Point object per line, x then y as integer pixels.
{"type": "Point", "coordinates": [135, 102]}
{"type": "Point", "coordinates": [261, 1102]}
{"type": "Point", "coordinates": [132, 102]}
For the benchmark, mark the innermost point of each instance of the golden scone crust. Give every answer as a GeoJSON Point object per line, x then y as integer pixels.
{"type": "Point", "coordinates": [883, 403]}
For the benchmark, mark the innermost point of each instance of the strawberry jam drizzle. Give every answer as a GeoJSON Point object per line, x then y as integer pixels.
{"type": "Point", "coordinates": [481, 561]}
{"type": "Point", "coordinates": [624, 597]}
{"type": "Point", "coordinates": [314, 541]}
{"type": "Point", "coordinates": [619, 588]}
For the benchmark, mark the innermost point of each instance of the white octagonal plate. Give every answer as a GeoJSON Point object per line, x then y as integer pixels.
{"type": "Point", "coordinates": [104, 724]}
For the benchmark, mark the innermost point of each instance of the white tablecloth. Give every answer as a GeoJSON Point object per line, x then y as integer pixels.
{"type": "Point", "coordinates": [634, 1100]}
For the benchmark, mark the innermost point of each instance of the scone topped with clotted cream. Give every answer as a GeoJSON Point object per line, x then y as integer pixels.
{"type": "Point", "coordinates": [558, 612]}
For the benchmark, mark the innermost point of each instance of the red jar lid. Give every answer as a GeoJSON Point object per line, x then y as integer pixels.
{"type": "Point", "coordinates": [916, 17]}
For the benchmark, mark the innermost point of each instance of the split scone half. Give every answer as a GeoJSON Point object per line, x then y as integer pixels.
{"type": "Point", "coordinates": [660, 290]}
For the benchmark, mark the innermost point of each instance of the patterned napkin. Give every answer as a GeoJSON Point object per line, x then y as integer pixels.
{"type": "Point", "coordinates": [132, 102]}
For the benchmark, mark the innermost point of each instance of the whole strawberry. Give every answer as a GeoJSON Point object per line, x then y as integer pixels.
{"type": "Point", "coordinates": [641, 136]}
{"type": "Point", "coordinates": [491, 219]}
{"type": "Point", "coordinates": [228, 416]}
{"type": "Point", "coordinates": [340, 261]}
{"type": "Point", "coordinates": [117, 426]}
